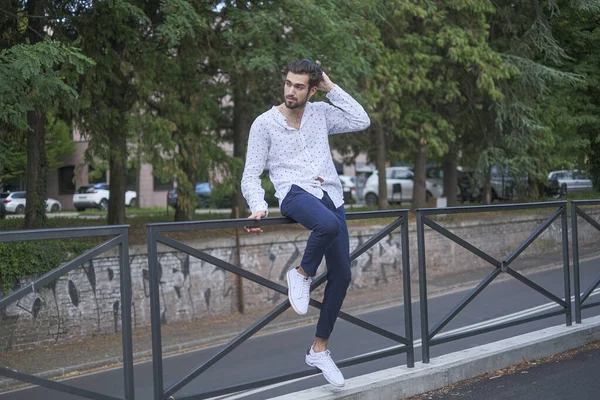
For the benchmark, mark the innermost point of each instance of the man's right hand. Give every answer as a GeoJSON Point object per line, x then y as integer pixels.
{"type": "Point", "coordinates": [257, 216]}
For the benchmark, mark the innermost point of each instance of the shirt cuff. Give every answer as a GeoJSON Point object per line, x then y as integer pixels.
{"type": "Point", "coordinates": [264, 208]}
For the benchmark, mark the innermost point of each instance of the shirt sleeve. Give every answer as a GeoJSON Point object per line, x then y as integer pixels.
{"type": "Point", "coordinates": [347, 115]}
{"type": "Point", "coordinates": [256, 161]}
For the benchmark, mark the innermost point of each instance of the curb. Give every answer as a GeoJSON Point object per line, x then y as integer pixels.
{"type": "Point", "coordinates": [401, 382]}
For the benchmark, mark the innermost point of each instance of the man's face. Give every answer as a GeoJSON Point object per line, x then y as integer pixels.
{"type": "Point", "coordinates": [296, 90]}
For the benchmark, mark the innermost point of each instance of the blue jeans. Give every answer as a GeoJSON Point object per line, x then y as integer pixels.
{"type": "Point", "coordinates": [329, 238]}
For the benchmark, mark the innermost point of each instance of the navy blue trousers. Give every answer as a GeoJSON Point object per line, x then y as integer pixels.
{"type": "Point", "coordinates": [329, 238]}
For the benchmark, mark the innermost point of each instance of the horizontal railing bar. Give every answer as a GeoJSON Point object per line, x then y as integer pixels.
{"type": "Point", "coordinates": [351, 216]}
{"type": "Point", "coordinates": [590, 305]}
{"type": "Point", "coordinates": [61, 233]}
{"type": "Point", "coordinates": [460, 241]}
{"type": "Point", "coordinates": [539, 230]}
{"type": "Point", "coordinates": [588, 219]}
{"type": "Point", "coordinates": [536, 287]}
{"type": "Point", "coordinates": [60, 271]}
{"type": "Point", "coordinates": [457, 309]}
{"type": "Point", "coordinates": [296, 375]}
{"type": "Point", "coordinates": [585, 202]}
{"type": "Point", "coordinates": [270, 221]}
{"type": "Point", "coordinates": [479, 331]}
{"type": "Point", "coordinates": [496, 207]}
{"type": "Point", "coordinates": [47, 383]}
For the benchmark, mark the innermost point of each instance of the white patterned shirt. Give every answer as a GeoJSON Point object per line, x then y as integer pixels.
{"type": "Point", "coordinates": [300, 156]}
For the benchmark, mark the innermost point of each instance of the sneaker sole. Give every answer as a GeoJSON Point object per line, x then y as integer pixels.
{"type": "Point", "coordinates": [287, 278]}
{"type": "Point", "coordinates": [337, 385]}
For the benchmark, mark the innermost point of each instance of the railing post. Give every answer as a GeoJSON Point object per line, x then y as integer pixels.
{"type": "Point", "coordinates": [423, 288]}
{"type": "Point", "coordinates": [576, 274]}
{"type": "Point", "coordinates": [567, 274]}
{"type": "Point", "coordinates": [157, 362]}
{"type": "Point", "coordinates": [408, 328]}
{"type": "Point", "coordinates": [125, 278]}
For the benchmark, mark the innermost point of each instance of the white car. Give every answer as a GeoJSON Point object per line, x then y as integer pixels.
{"type": "Point", "coordinates": [14, 202]}
{"type": "Point", "coordinates": [400, 183]}
{"type": "Point", "coordinates": [97, 195]}
{"type": "Point", "coordinates": [349, 187]}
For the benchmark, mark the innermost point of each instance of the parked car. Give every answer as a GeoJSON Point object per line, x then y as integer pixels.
{"type": "Point", "coordinates": [435, 175]}
{"type": "Point", "coordinates": [349, 187]}
{"type": "Point", "coordinates": [560, 182]}
{"type": "Point", "coordinates": [400, 183]}
{"type": "Point", "coordinates": [203, 190]}
{"type": "Point", "coordinates": [14, 202]}
{"type": "Point", "coordinates": [97, 195]}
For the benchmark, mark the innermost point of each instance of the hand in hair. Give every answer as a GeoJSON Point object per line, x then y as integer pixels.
{"type": "Point", "coordinates": [325, 84]}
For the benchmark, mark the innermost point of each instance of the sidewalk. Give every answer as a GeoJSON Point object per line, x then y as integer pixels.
{"type": "Point", "coordinates": [449, 372]}
{"type": "Point", "coordinates": [565, 376]}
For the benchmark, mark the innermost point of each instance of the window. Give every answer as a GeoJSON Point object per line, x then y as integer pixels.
{"type": "Point", "coordinates": [402, 174]}
{"type": "Point", "coordinates": [66, 179]}
{"type": "Point", "coordinates": [159, 186]}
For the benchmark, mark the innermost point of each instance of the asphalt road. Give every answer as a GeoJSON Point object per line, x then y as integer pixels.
{"type": "Point", "coordinates": [283, 352]}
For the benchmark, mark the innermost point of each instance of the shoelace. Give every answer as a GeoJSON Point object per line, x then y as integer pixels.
{"type": "Point", "coordinates": [306, 288]}
{"type": "Point", "coordinates": [329, 364]}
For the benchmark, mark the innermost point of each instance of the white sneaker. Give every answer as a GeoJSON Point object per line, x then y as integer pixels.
{"type": "Point", "coordinates": [298, 291]}
{"type": "Point", "coordinates": [323, 361]}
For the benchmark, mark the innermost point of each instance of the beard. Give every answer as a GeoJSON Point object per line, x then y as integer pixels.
{"type": "Point", "coordinates": [295, 103]}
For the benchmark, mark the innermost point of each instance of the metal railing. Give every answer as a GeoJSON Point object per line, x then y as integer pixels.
{"type": "Point", "coordinates": [501, 266]}
{"type": "Point", "coordinates": [580, 298]}
{"type": "Point", "coordinates": [120, 239]}
{"type": "Point", "coordinates": [155, 236]}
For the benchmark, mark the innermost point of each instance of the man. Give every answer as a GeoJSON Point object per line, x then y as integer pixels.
{"type": "Point", "coordinates": [291, 140]}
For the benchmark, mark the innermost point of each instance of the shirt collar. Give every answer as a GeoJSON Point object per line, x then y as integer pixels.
{"type": "Point", "coordinates": [278, 116]}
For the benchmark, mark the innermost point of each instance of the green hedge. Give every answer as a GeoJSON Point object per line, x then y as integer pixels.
{"type": "Point", "coordinates": [20, 259]}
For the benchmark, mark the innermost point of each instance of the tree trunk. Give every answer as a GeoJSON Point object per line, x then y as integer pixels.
{"type": "Point", "coordinates": [37, 171]}
{"type": "Point", "coordinates": [37, 164]}
{"type": "Point", "coordinates": [187, 199]}
{"type": "Point", "coordinates": [138, 173]}
{"type": "Point", "coordinates": [241, 130]}
{"type": "Point", "coordinates": [117, 165]}
{"type": "Point", "coordinates": [380, 159]}
{"type": "Point", "coordinates": [450, 178]}
{"type": "Point", "coordinates": [419, 189]}
{"type": "Point", "coordinates": [486, 195]}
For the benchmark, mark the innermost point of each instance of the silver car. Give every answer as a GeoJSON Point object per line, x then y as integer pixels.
{"type": "Point", "coordinates": [574, 180]}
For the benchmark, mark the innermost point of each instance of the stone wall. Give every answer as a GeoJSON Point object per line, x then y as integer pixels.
{"type": "Point", "coordinates": [86, 301]}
